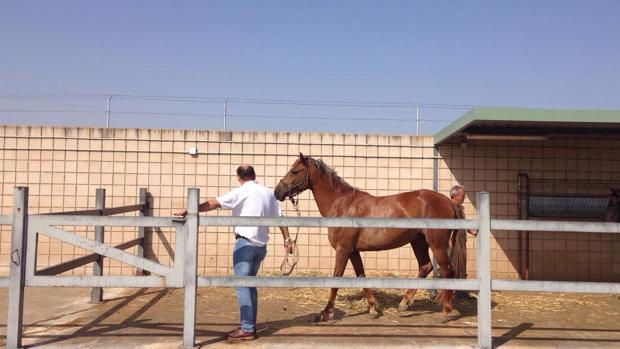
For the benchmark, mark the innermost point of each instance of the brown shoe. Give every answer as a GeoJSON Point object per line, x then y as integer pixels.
{"type": "Point", "coordinates": [237, 329]}
{"type": "Point", "coordinates": [241, 335]}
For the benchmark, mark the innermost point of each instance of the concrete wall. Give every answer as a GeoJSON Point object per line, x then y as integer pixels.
{"type": "Point", "coordinates": [64, 166]}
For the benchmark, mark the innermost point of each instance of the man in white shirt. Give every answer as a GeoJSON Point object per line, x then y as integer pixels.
{"type": "Point", "coordinates": [250, 199]}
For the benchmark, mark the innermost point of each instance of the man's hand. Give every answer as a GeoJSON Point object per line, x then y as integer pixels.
{"type": "Point", "coordinates": [181, 213]}
{"type": "Point", "coordinates": [288, 246]}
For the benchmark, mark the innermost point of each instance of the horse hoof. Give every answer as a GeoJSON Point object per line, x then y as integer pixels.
{"type": "Point", "coordinates": [403, 307]}
{"type": "Point", "coordinates": [323, 317]}
{"type": "Point", "coordinates": [373, 315]}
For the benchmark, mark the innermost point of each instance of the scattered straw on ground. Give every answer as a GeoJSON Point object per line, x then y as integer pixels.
{"type": "Point", "coordinates": [522, 302]}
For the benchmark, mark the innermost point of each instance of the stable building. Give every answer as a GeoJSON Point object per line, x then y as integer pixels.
{"type": "Point", "coordinates": [539, 164]}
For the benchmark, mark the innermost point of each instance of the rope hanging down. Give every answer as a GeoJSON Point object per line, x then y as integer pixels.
{"type": "Point", "coordinates": [291, 258]}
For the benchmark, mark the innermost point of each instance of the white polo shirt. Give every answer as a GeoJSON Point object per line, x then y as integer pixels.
{"type": "Point", "coordinates": [252, 200]}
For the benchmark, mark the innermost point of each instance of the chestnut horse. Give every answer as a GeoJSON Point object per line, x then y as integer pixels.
{"type": "Point", "coordinates": [335, 198]}
{"type": "Point", "coordinates": [613, 206]}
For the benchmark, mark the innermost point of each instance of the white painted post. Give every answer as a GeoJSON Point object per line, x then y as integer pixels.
{"type": "Point", "coordinates": [190, 269]}
{"type": "Point", "coordinates": [19, 237]}
{"type": "Point", "coordinates": [96, 294]}
{"type": "Point", "coordinates": [485, 338]}
{"type": "Point", "coordinates": [142, 201]}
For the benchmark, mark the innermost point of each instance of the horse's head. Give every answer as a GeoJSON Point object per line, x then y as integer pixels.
{"type": "Point", "coordinates": [613, 206]}
{"type": "Point", "coordinates": [295, 181]}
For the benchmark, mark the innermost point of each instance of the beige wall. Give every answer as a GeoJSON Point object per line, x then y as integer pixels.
{"type": "Point", "coordinates": [64, 166]}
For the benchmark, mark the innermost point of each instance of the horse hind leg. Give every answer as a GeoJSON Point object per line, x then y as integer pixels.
{"type": "Point", "coordinates": [445, 271]}
{"type": "Point", "coordinates": [342, 257]}
{"type": "Point", "coordinates": [425, 266]}
{"type": "Point", "coordinates": [373, 307]}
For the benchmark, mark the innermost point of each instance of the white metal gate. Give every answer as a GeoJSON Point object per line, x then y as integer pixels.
{"type": "Point", "coordinates": [25, 228]}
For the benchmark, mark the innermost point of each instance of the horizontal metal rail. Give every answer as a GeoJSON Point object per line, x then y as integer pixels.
{"type": "Point", "coordinates": [6, 220]}
{"type": "Point", "coordinates": [556, 226]}
{"type": "Point", "coordinates": [100, 281]}
{"type": "Point", "coordinates": [340, 222]}
{"type": "Point", "coordinates": [338, 282]}
{"type": "Point", "coordinates": [215, 221]}
{"type": "Point", "coordinates": [107, 221]}
{"type": "Point", "coordinates": [78, 262]}
{"type": "Point", "coordinates": [122, 209]}
{"type": "Point", "coordinates": [103, 212]}
{"type": "Point", "coordinates": [323, 282]}
{"type": "Point", "coordinates": [555, 286]}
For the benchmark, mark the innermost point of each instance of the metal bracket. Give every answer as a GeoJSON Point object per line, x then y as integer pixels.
{"type": "Point", "coordinates": [181, 220]}
{"type": "Point", "coordinates": [15, 257]}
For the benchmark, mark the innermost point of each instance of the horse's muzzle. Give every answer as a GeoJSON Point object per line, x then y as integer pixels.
{"type": "Point", "coordinates": [280, 193]}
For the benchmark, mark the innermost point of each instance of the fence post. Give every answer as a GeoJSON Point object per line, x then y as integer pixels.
{"type": "Point", "coordinates": [485, 338]}
{"type": "Point", "coordinates": [435, 188]}
{"type": "Point", "coordinates": [17, 272]}
{"type": "Point", "coordinates": [96, 294]}
{"type": "Point", "coordinates": [142, 200]}
{"type": "Point", "coordinates": [190, 268]}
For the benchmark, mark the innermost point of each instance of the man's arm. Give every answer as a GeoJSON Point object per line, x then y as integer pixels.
{"type": "Point", "coordinates": [288, 243]}
{"type": "Point", "coordinates": [208, 205]}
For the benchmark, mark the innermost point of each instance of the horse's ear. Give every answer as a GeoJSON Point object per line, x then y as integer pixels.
{"type": "Point", "coordinates": [304, 159]}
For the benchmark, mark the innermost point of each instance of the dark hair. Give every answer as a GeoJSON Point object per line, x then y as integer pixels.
{"type": "Point", "coordinates": [246, 173]}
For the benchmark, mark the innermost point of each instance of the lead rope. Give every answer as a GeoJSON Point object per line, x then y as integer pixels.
{"type": "Point", "coordinates": [291, 258]}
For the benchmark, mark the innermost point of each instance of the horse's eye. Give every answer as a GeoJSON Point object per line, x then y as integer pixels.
{"type": "Point", "coordinates": [294, 172]}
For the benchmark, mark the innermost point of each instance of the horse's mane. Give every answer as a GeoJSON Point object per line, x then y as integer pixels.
{"type": "Point", "coordinates": [335, 181]}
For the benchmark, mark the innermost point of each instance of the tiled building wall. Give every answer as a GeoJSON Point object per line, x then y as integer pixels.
{"type": "Point", "coordinates": [494, 167]}
{"type": "Point", "coordinates": [63, 167]}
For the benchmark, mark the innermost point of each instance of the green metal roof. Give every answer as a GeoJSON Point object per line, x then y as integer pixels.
{"type": "Point", "coordinates": [521, 121]}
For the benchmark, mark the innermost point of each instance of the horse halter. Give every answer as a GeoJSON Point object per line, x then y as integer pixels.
{"type": "Point", "coordinates": [306, 180]}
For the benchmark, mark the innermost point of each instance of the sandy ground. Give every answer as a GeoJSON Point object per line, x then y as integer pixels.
{"type": "Point", "coordinates": [153, 318]}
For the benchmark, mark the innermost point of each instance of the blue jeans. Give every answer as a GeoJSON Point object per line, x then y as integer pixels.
{"type": "Point", "coordinates": [246, 261]}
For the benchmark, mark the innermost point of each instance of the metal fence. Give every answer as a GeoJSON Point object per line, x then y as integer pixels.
{"type": "Point", "coordinates": [184, 273]}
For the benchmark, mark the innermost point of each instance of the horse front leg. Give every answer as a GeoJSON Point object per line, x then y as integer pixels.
{"type": "Point", "coordinates": [373, 306]}
{"type": "Point", "coordinates": [342, 257]}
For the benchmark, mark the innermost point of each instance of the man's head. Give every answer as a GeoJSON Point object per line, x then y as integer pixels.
{"type": "Point", "coordinates": [457, 194]}
{"type": "Point", "coordinates": [246, 173]}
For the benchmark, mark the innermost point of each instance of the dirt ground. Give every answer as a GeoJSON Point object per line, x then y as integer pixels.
{"type": "Point", "coordinates": [152, 318]}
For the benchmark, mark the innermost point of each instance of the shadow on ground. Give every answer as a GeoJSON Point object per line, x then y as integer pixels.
{"type": "Point", "coordinates": [149, 315]}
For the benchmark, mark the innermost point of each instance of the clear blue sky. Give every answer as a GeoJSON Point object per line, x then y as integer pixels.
{"type": "Point", "coordinates": [537, 54]}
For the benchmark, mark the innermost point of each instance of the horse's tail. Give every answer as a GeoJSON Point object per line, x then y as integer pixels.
{"type": "Point", "coordinates": [458, 254]}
